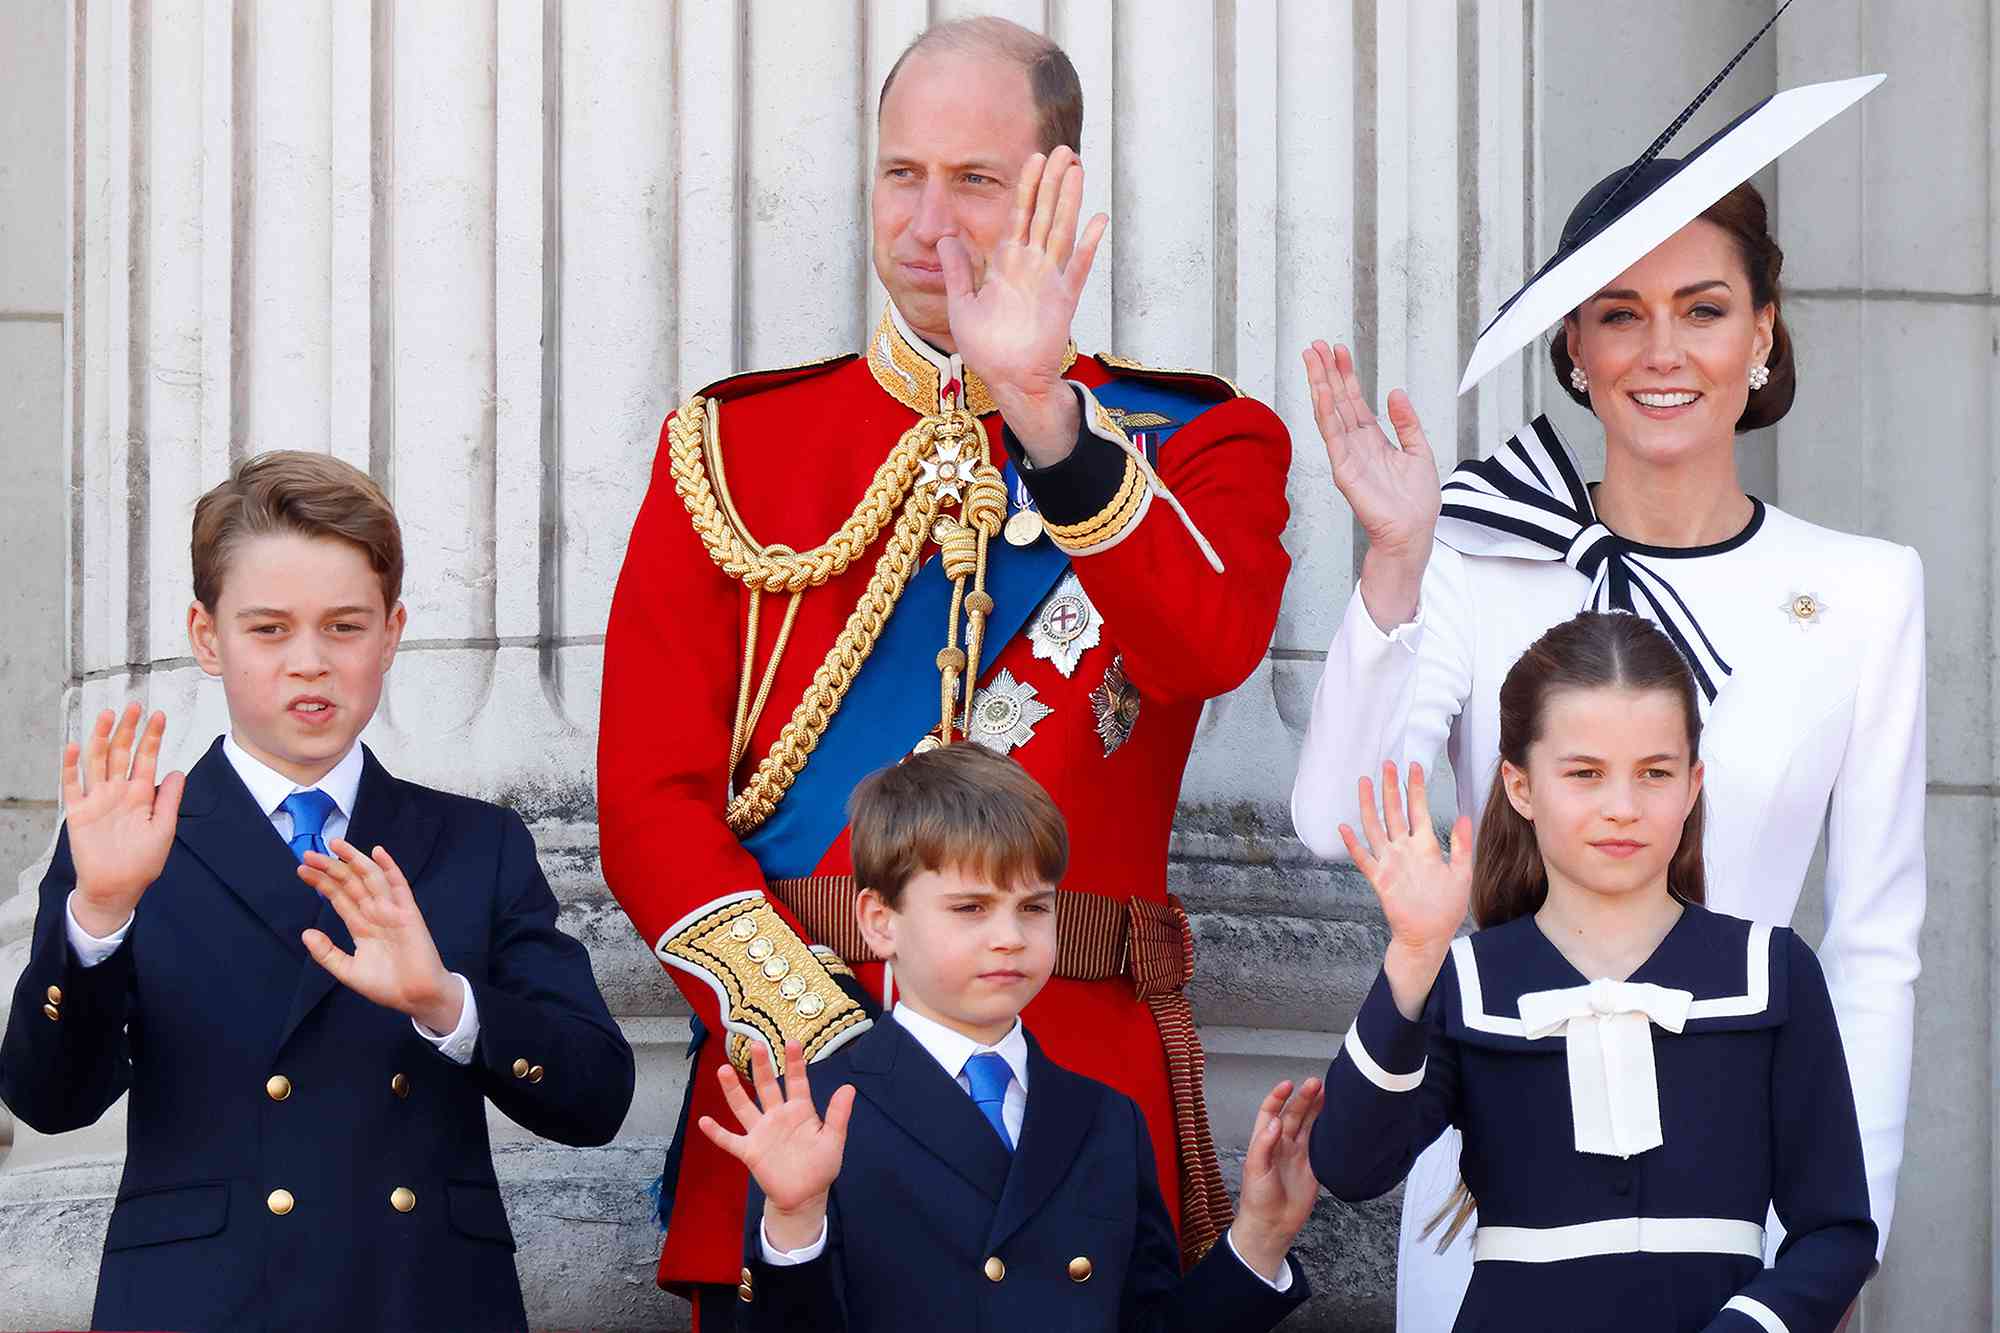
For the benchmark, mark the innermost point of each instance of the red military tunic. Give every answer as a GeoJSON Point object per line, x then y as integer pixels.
{"type": "Point", "coordinates": [800, 448]}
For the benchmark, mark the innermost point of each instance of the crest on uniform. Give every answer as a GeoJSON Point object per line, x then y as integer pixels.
{"type": "Point", "coordinates": [1115, 703]}
{"type": "Point", "coordinates": [1004, 713]}
{"type": "Point", "coordinates": [1067, 624]}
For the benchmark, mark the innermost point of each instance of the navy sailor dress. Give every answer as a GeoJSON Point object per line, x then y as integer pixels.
{"type": "Point", "coordinates": [1625, 1140]}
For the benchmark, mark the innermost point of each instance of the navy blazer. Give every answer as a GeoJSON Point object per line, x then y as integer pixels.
{"type": "Point", "coordinates": [296, 1156]}
{"type": "Point", "coordinates": [1755, 1112]}
{"type": "Point", "coordinates": [934, 1224]}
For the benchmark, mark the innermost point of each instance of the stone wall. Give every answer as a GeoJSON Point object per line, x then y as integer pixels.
{"type": "Point", "coordinates": [481, 248]}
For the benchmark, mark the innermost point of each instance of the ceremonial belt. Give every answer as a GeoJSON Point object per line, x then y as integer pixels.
{"type": "Point", "coordinates": [1097, 937]}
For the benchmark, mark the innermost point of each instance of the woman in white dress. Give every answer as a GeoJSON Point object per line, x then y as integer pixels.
{"type": "Point", "coordinates": [1808, 643]}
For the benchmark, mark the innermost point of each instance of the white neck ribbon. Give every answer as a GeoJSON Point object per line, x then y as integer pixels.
{"type": "Point", "coordinates": [1614, 1090]}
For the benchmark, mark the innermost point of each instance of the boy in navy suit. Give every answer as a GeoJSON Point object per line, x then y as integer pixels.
{"type": "Point", "coordinates": [308, 1070]}
{"type": "Point", "coordinates": [941, 1170]}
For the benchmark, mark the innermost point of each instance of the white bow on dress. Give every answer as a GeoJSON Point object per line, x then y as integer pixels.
{"type": "Point", "coordinates": [1614, 1091]}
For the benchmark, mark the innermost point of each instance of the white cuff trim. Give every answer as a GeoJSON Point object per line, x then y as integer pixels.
{"type": "Point", "coordinates": [88, 948]}
{"type": "Point", "coordinates": [1281, 1284]}
{"type": "Point", "coordinates": [1766, 1318]}
{"type": "Point", "coordinates": [456, 1045]}
{"type": "Point", "coordinates": [805, 1254]}
{"type": "Point", "coordinates": [1373, 1072]}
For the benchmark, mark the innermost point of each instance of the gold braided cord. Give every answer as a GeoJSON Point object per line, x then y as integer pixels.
{"type": "Point", "coordinates": [695, 462]}
{"type": "Point", "coordinates": [694, 454]}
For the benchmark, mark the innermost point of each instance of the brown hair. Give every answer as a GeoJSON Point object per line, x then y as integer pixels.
{"type": "Point", "coordinates": [1595, 650]}
{"type": "Point", "coordinates": [1052, 83]}
{"type": "Point", "coordinates": [305, 494]}
{"type": "Point", "coordinates": [1742, 214]}
{"type": "Point", "coordinates": [959, 807]}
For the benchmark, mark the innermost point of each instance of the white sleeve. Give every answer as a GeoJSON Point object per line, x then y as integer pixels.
{"type": "Point", "coordinates": [1383, 696]}
{"type": "Point", "coordinates": [1875, 884]}
{"type": "Point", "coordinates": [88, 948]}
{"type": "Point", "coordinates": [805, 1254]}
{"type": "Point", "coordinates": [457, 1044]}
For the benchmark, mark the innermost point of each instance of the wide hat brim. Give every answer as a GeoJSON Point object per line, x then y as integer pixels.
{"type": "Point", "coordinates": [1655, 210]}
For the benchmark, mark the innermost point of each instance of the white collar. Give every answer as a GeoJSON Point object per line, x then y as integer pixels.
{"type": "Point", "coordinates": [952, 1049]}
{"type": "Point", "coordinates": [947, 364]}
{"type": "Point", "coordinates": [269, 788]}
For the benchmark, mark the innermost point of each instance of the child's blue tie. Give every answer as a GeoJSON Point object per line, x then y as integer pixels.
{"type": "Point", "coordinates": [989, 1076]}
{"type": "Point", "coordinates": [309, 811]}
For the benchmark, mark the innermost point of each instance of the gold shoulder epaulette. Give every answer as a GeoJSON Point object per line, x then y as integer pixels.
{"type": "Point", "coordinates": [750, 381]}
{"type": "Point", "coordinates": [1124, 365]}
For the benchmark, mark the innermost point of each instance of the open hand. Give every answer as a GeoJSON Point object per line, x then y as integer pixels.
{"type": "Point", "coordinates": [794, 1155]}
{"type": "Point", "coordinates": [1424, 896]}
{"type": "Point", "coordinates": [1278, 1182]}
{"type": "Point", "coordinates": [120, 826]}
{"type": "Point", "coordinates": [1392, 486]}
{"type": "Point", "coordinates": [395, 963]}
{"type": "Point", "coordinates": [1014, 328]}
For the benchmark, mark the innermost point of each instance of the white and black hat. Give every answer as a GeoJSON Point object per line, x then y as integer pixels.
{"type": "Point", "coordinates": [1630, 212]}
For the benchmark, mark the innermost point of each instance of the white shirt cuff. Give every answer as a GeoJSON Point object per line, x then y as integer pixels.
{"type": "Point", "coordinates": [805, 1254]}
{"type": "Point", "coordinates": [90, 950]}
{"type": "Point", "coordinates": [1405, 634]}
{"type": "Point", "coordinates": [1281, 1285]}
{"type": "Point", "coordinates": [456, 1045]}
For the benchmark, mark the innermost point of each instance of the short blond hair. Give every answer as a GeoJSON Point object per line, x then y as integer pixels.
{"type": "Point", "coordinates": [305, 494]}
{"type": "Point", "coordinates": [959, 807]}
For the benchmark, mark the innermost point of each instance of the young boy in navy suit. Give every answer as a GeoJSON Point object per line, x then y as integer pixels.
{"type": "Point", "coordinates": [310, 975]}
{"type": "Point", "coordinates": [941, 1172]}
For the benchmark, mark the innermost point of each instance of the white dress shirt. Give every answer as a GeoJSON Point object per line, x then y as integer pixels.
{"type": "Point", "coordinates": [1820, 722]}
{"type": "Point", "coordinates": [269, 789]}
{"type": "Point", "coordinates": [951, 1049]}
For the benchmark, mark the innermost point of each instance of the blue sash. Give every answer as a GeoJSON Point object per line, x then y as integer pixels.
{"type": "Point", "coordinates": [894, 698]}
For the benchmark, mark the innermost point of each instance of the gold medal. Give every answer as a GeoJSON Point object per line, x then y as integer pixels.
{"type": "Point", "coordinates": [1024, 527]}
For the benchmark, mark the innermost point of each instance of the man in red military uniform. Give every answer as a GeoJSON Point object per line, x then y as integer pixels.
{"type": "Point", "coordinates": [969, 532]}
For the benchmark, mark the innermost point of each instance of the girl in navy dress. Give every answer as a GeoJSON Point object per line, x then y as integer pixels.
{"type": "Point", "coordinates": [1637, 1080]}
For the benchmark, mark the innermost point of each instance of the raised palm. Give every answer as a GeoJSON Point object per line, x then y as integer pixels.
{"type": "Point", "coordinates": [1392, 486]}
{"type": "Point", "coordinates": [1014, 327]}
{"type": "Point", "coordinates": [120, 825]}
{"type": "Point", "coordinates": [1424, 894]}
{"type": "Point", "coordinates": [794, 1155]}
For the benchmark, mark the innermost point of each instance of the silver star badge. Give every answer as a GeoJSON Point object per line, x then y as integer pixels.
{"type": "Point", "coordinates": [1803, 609]}
{"type": "Point", "coordinates": [1005, 712]}
{"type": "Point", "coordinates": [1066, 625]}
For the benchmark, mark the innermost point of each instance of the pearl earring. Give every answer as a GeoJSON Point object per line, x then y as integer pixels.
{"type": "Point", "coordinates": [1578, 380]}
{"type": "Point", "coordinates": [1759, 376]}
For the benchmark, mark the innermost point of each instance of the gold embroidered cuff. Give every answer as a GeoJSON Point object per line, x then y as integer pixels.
{"type": "Point", "coordinates": [1111, 523]}
{"type": "Point", "coordinates": [770, 985]}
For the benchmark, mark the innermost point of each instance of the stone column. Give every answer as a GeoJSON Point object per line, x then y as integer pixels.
{"type": "Point", "coordinates": [481, 248]}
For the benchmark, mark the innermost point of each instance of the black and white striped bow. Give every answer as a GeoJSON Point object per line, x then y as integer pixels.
{"type": "Point", "coordinates": [1528, 501]}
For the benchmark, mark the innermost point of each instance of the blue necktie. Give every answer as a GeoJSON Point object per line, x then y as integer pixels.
{"type": "Point", "coordinates": [309, 811]}
{"type": "Point", "coordinates": [989, 1076]}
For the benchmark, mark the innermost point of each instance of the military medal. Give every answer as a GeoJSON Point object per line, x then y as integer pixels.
{"type": "Point", "coordinates": [1024, 525]}
{"type": "Point", "coordinates": [1066, 625]}
{"type": "Point", "coordinates": [1004, 714]}
{"type": "Point", "coordinates": [1115, 703]}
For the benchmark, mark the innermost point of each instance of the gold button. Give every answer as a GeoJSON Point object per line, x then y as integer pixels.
{"type": "Point", "coordinates": [743, 927]}
{"type": "Point", "coordinates": [760, 949]}
{"type": "Point", "coordinates": [995, 1270]}
{"type": "Point", "coordinates": [55, 995]}
{"type": "Point", "coordinates": [535, 1074]}
{"type": "Point", "coordinates": [745, 1277]}
{"type": "Point", "coordinates": [400, 1085]}
{"type": "Point", "coordinates": [1079, 1269]}
{"type": "Point", "coordinates": [810, 1005]}
{"type": "Point", "coordinates": [277, 1087]}
{"type": "Point", "coordinates": [402, 1200]}
{"type": "Point", "coordinates": [279, 1202]}
{"type": "Point", "coordinates": [793, 987]}
{"type": "Point", "coordinates": [52, 1013]}
{"type": "Point", "coordinates": [775, 969]}
{"type": "Point", "coordinates": [520, 1069]}
{"type": "Point", "coordinates": [745, 1295]}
